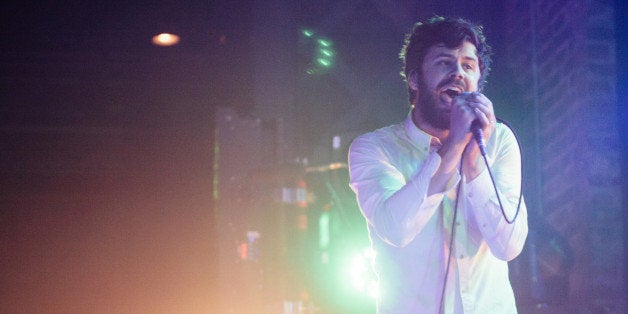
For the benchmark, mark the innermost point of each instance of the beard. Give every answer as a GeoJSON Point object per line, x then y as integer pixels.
{"type": "Point", "coordinates": [430, 109]}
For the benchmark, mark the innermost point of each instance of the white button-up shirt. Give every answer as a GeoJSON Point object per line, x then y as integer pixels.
{"type": "Point", "coordinates": [390, 170]}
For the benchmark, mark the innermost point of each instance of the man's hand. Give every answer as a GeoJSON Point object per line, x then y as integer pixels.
{"type": "Point", "coordinates": [482, 109]}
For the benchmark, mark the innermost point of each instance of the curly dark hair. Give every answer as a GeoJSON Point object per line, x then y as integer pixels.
{"type": "Point", "coordinates": [449, 31]}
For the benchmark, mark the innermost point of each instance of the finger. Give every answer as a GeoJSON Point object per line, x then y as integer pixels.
{"type": "Point", "coordinates": [484, 119]}
{"type": "Point", "coordinates": [486, 107]}
{"type": "Point", "coordinates": [482, 107]}
{"type": "Point", "coordinates": [482, 99]}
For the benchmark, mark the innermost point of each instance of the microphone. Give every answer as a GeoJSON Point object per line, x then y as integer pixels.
{"type": "Point", "coordinates": [476, 130]}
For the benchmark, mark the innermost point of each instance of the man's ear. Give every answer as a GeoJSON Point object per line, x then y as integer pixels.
{"type": "Point", "coordinates": [413, 80]}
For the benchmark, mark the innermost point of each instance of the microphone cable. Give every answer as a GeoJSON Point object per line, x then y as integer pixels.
{"type": "Point", "coordinates": [451, 244]}
{"type": "Point", "coordinates": [453, 223]}
{"type": "Point", "coordinates": [499, 200]}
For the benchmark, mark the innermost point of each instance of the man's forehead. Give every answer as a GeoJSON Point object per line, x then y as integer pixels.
{"type": "Point", "coordinates": [466, 49]}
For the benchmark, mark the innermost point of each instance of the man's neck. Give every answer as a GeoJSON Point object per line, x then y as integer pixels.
{"type": "Point", "coordinates": [426, 127]}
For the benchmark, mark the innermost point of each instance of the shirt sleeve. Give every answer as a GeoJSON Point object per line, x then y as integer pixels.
{"type": "Point", "coordinates": [504, 239]}
{"type": "Point", "coordinates": [395, 208]}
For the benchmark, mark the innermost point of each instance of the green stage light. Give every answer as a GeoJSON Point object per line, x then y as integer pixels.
{"type": "Point", "coordinates": [324, 62]}
{"type": "Point", "coordinates": [323, 232]}
{"type": "Point", "coordinates": [307, 33]}
{"type": "Point", "coordinates": [324, 42]}
{"type": "Point", "coordinates": [319, 50]}
{"type": "Point", "coordinates": [361, 275]}
{"type": "Point", "coordinates": [326, 52]}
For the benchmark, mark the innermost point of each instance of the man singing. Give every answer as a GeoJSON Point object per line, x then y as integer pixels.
{"type": "Point", "coordinates": [441, 238]}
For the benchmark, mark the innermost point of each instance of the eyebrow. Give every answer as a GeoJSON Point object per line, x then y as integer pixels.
{"type": "Point", "coordinates": [449, 55]}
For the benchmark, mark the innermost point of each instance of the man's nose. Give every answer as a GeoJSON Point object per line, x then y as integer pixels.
{"type": "Point", "coordinates": [457, 71]}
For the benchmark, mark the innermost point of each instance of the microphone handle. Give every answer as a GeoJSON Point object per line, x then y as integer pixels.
{"type": "Point", "coordinates": [476, 129]}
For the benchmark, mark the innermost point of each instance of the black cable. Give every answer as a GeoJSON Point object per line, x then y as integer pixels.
{"type": "Point", "coordinates": [501, 206]}
{"type": "Point", "coordinates": [453, 223]}
{"type": "Point", "coordinates": [451, 243]}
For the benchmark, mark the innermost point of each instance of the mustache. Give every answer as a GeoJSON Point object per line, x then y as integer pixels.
{"type": "Point", "coordinates": [452, 81]}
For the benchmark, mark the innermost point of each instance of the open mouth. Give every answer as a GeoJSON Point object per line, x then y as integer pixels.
{"type": "Point", "coordinates": [452, 93]}
{"type": "Point", "coordinates": [449, 93]}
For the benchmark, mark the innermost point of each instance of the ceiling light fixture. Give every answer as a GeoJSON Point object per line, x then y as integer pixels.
{"type": "Point", "coordinates": [165, 39]}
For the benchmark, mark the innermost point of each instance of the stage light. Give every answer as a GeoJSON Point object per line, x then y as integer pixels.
{"type": "Point", "coordinates": [361, 275]}
{"type": "Point", "coordinates": [324, 42]}
{"type": "Point", "coordinates": [165, 39]}
{"type": "Point", "coordinates": [323, 231]}
{"type": "Point", "coordinates": [326, 52]}
{"type": "Point", "coordinates": [324, 62]}
{"type": "Point", "coordinates": [307, 33]}
{"type": "Point", "coordinates": [319, 50]}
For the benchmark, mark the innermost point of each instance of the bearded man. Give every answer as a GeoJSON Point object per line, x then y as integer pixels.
{"type": "Point", "coordinates": [442, 240]}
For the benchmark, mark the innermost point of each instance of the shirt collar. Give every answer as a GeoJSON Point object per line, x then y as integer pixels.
{"type": "Point", "coordinates": [419, 138]}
